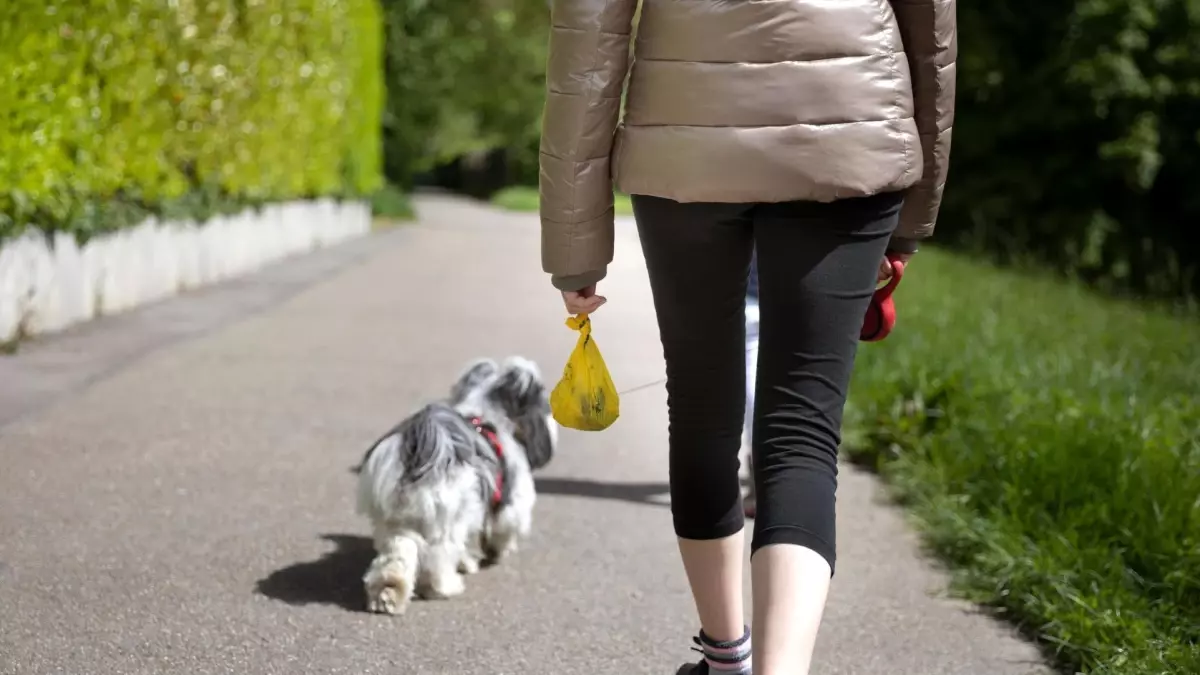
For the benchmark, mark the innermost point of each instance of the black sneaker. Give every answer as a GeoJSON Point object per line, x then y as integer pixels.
{"type": "Point", "coordinates": [695, 668]}
{"type": "Point", "coordinates": [702, 667]}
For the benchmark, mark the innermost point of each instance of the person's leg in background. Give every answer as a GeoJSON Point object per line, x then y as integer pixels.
{"type": "Point", "coordinates": [749, 501]}
{"type": "Point", "coordinates": [817, 267]}
{"type": "Point", "coordinates": [697, 256]}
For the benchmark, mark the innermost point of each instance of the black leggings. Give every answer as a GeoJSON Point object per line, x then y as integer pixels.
{"type": "Point", "coordinates": [817, 267]}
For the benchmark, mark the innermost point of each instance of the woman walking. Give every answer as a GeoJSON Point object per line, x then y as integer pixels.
{"type": "Point", "coordinates": [817, 133]}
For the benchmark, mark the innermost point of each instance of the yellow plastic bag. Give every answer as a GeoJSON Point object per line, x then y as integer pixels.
{"type": "Point", "coordinates": [585, 398]}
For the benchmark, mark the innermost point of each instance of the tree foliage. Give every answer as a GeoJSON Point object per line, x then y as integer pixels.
{"type": "Point", "coordinates": [1077, 139]}
{"type": "Point", "coordinates": [462, 76]}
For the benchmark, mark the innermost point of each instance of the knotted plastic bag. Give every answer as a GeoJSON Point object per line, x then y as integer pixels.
{"type": "Point", "coordinates": [585, 398]}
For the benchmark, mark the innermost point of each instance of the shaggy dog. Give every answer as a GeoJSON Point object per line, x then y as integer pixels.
{"type": "Point", "coordinates": [451, 487]}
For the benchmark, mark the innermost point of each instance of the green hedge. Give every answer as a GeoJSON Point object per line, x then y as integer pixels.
{"type": "Point", "coordinates": [111, 109]}
{"type": "Point", "coordinates": [1049, 442]}
{"type": "Point", "coordinates": [1076, 140]}
{"type": "Point", "coordinates": [462, 76]}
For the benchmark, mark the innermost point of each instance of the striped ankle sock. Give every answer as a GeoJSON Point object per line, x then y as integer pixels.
{"type": "Point", "coordinates": [726, 658]}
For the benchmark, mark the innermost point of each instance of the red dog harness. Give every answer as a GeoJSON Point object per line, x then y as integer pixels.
{"type": "Point", "coordinates": [489, 433]}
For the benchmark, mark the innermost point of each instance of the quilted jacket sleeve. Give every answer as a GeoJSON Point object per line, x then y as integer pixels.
{"type": "Point", "coordinates": [589, 59]}
{"type": "Point", "coordinates": [930, 33]}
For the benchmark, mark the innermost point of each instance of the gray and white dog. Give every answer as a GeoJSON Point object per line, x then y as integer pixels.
{"type": "Point", "coordinates": [451, 487]}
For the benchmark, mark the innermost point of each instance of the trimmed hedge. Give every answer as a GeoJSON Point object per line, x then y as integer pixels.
{"type": "Point", "coordinates": [114, 109]}
{"type": "Point", "coordinates": [1048, 440]}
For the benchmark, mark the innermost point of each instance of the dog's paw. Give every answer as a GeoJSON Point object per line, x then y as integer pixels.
{"type": "Point", "coordinates": [444, 588]}
{"type": "Point", "coordinates": [386, 600]}
{"type": "Point", "coordinates": [389, 585]}
{"type": "Point", "coordinates": [468, 565]}
{"type": "Point", "coordinates": [497, 554]}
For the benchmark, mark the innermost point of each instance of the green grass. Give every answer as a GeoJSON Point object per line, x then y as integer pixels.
{"type": "Point", "coordinates": [390, 203]}
{"type": "Point", "coordinates": [524, 198]}
{"type": "Point", "coordinates": [1048, 444]}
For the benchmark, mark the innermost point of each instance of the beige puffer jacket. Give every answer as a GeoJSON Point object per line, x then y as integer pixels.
{"type": "Point", "coordinates": [741, 101]}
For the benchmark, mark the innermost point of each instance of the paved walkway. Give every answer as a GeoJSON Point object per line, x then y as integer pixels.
{"type": "Point", "coordinates": [176, 495]}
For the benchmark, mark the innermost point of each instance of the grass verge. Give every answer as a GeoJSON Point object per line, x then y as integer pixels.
{"type": "Point", "coordinates": [391, 203]}
{"type": "Point", "coordinates": [1048, 443]}
{"type": "Point", "coordinates": [525, 198]}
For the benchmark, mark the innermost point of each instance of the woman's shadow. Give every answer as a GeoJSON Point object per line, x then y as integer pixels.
{"type": "Point", "coordinates": [656, 494]}
{"type": "Point", "coordinates": [637, 493]}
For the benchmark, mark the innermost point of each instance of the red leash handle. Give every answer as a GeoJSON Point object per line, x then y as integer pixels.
{"type": "Point", "coordinates": [881, 313]}
{"type": "Point", "coordinates": [897, 272]}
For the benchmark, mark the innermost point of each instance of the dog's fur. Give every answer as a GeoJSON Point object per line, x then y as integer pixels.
{"type": "Point", "coordinates": [427, 486]}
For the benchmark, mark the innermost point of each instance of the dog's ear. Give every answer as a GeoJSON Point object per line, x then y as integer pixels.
{"type": "Point", "coordinates": [476, 373]}
{"type": "Point", "coordinates": [533, 432]}
{"type": "Point", "coordinates": [519, 388]}
{"type": "Point", "coordinates": [519, 391]}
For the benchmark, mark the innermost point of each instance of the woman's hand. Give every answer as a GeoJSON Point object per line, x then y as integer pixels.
{"type": "Point", "coordinates": [885, 265]}
{"type": "Point", "coordinates": [583, 301]}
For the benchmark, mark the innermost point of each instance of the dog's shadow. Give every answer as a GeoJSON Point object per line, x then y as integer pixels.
{"type": "Point", "coordinates": [333, 579]}
{"type": "Point", "coordinates": [336, 577]}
